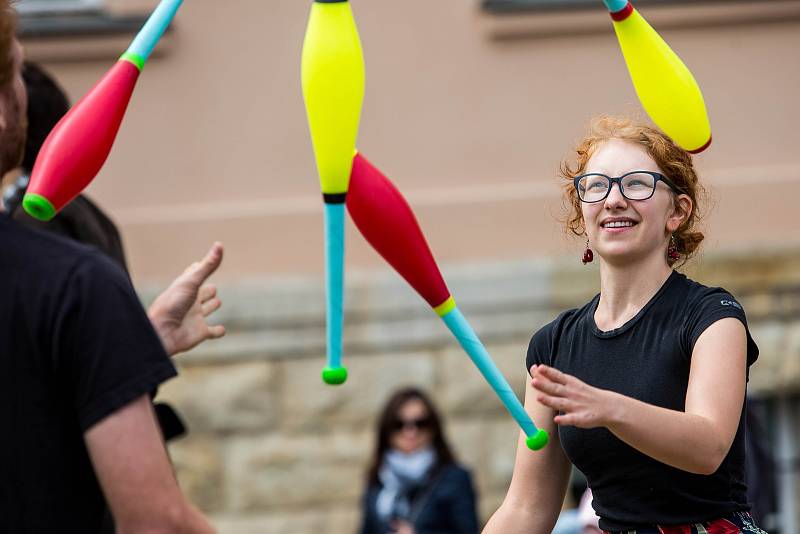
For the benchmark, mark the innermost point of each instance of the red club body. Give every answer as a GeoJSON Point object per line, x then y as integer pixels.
{"type": "Point", "coordinates": [78, 146]}
{"type": "Point", "coordinates": [385, 219]}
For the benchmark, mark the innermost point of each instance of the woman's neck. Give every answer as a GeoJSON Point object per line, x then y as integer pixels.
{"type": "Point", "coordinates": [625, 289]}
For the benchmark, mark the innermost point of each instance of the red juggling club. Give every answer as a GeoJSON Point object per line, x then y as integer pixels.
{"type": "Point", "coordinates": [79, 144]}
{"type": "Point", "coordinates": [386, 221]}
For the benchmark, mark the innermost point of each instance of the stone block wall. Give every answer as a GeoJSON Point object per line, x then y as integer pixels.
{"type": "Point", "coordinates": [272, 449]}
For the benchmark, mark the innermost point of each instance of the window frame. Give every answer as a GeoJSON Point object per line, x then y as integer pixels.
{"type": "Point", "coordinates": [73, 18]}
{"type": "Point", "coordinates": [27, 8]}
{"type": "Point", "coordinates": [502, 7]}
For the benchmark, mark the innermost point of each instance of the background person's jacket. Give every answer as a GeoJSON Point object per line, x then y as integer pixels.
{"type": "Point", "coordinates": [446, 504]}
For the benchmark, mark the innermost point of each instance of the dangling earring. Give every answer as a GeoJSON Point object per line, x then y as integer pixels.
{"type": "Point", "coordinates": [588, 255]}
{"type": "Point", "coordinates": [672, 250]}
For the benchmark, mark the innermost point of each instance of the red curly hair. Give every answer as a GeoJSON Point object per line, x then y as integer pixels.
{"type": "Point", "coordinates": [674, 162]}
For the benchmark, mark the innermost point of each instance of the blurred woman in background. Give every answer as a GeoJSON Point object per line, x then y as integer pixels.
{"type": "Point", "coordinates": [414, 485]}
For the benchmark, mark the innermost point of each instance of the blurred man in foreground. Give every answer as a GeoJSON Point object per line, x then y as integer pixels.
{"type": "Point", "coordinates": [78, 359]}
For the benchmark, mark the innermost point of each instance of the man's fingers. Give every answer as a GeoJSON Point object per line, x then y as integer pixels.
{"type": "Point", "coordinates": [206, 267]}
{"type": "Point", "coordinates": [211, 306]}
{"type": "Point", "coordinates": [207, 292]}
{"type": "Point", "coordinates": [191, 268]}
{"type": "Point", "coordinates": [216, 331]}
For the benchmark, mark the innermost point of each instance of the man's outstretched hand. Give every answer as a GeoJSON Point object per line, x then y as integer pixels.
{"type": "Point", "coordinates": [180, 313]}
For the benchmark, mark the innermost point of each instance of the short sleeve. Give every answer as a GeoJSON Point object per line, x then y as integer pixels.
{"type": "Point", "coordinates": [715, 304]}
{"type": "Point", "coordinates": [539, 348]}
{"type": "Point", "coordinates": [542, 345]}
{"type": "Point", "coordinates": [107, 353]}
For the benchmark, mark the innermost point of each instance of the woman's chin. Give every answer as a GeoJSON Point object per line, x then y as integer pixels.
{"type": "Point", "coordinates": [626, 256]}
{"type": "Point", "coordinates": [618, 255]}
{"type": "Point", "coordinates": [407, 448]}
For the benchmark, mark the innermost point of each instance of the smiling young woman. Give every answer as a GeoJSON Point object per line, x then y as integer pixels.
{"type": "Point", "coordinates": [643, 387]}
{"type": "Point", "coordinates": [675, 164]}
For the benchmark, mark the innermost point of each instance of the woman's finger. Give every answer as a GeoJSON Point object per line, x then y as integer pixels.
{"type": "Point", "coordinates": [561, 404]}
{"type": "Point", "coordinates": [547, 386]}
{"type": "Point", "coordinates": [553, 374]}
{"type": "Point", "coordinates": [550, 401]}
{"type": "Point", "coordinates": [565, 419]}
{"type": "Point", "coordinates": [547, 400]}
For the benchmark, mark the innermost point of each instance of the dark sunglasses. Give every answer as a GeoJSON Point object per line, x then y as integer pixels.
{"type": "Point", "coordinates": [423, 423]}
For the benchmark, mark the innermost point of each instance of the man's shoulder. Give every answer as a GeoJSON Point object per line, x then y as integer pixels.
{"type": "Point", "coordinates": [43, 254]}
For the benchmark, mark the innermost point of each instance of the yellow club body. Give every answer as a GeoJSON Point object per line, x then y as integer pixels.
{"type": "Point", "coordinates": [333, 89]}
{"type": "Point", "coordinates": [665, 86]}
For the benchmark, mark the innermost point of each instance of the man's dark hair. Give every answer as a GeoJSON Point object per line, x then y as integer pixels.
{"type": "Point", "coordinates": [8, 30]}
{"type": "Point", "coordinates": [47, 103]}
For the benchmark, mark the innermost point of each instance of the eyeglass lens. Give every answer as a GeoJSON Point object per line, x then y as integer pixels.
{"type": "Point", "coordinates": [636, 186]}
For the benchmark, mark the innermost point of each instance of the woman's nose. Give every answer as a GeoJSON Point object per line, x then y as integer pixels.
{"type": "Point", "coordinates": [615, 197]}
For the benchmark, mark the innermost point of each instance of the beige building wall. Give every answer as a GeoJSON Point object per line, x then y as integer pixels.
{"type": "Point", "coordinates": [469, 113]}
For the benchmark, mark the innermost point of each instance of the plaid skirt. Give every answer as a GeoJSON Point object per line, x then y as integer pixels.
{"type": "Point", "coordinates": [738, 522]}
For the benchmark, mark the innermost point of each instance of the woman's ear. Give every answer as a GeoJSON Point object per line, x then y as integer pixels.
{"type": "Point", "coordinates": [681, 211]}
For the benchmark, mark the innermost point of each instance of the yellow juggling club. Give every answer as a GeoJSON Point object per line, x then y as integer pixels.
{"type": "Point", "coordinates": [333, 89]}
{"type": "Point", "coordinates": [665, 86]}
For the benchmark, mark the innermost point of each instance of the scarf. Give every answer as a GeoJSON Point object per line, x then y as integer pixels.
{"type": "Point", "coordinates": [400, 474]}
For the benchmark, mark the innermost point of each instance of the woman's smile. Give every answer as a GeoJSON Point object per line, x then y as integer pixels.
{"type": "Point", "coordinates": [617, 225]}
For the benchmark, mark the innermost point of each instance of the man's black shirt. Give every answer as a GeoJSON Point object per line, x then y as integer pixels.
{"type": "Point", "coordinates": [648, 358]}
{"type": "Point", "coordinates": [75, 346]}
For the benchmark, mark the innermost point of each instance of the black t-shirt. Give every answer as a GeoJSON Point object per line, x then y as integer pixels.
{"type": "Point", "coordinates": [75, 346]}
{"type": "Point", "coordinates": [647, 358]}
{"type": "Point", "coordinates": [84, 222]}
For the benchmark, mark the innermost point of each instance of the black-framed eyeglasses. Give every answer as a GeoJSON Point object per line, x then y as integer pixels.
{"type": "Point", "coordinates": [421, 423]}
{"type": "Point", "coordinates": [634, 185]}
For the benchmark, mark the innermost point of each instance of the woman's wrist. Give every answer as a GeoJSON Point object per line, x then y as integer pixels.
{"type": "Point", "coordinates": [613, 408]}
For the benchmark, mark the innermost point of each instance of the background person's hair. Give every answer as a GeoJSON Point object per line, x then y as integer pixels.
{"type": "Point", "coordinates": [47, 104]}
{"type": "Point", "coordinates": [674, 162]}
{"type": "Point", "coordinates": [386, 425]}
